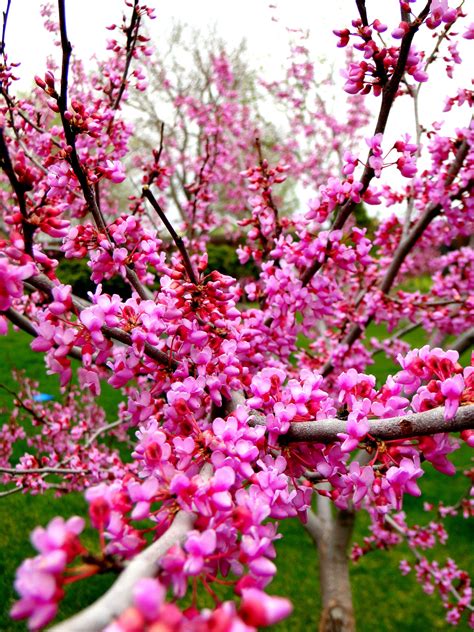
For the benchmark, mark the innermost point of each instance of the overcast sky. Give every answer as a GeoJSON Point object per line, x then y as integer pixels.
{"type": "Point", "coordinates": [263, 27]}
{"type": "Point", "coordinates": [250, 19]}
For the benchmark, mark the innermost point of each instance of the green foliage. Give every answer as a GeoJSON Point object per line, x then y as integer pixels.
{"type": "Point", "coordinates": [75, 272]}
{"type": "Point", "coordinates": [364, 220]}
{"type": "Point", "coordinates": [223, 257]}
{"type": "Point", "coordinates": [421, 283]}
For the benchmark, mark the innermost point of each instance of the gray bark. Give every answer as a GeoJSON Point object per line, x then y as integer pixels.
{"type": "Point", "coordinates": [332, 535]}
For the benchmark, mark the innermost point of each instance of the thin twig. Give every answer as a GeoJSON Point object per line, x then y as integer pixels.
{"type": "Point", "coordinates": [399, 334]}
{"type": "Point", "coordinates": [22, 404]}
{"type": "Point", "coordinates": [132, 35]}
{"type": "Point", "coordinates": [4, 29]}
{"type": "Point", "coordinates": [101, 431]}
{"type": "Point", "coordinates": [20, 193]}
{"type": "Point", "coordinates": [390, 521]}
{"type": "Point", "coordinates": [40, 470]}
{"type": "Point", "coordinates": [81, 175]}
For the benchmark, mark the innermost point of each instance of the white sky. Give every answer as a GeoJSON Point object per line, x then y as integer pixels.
{"type": "Point", "coordinates": [29, 43]}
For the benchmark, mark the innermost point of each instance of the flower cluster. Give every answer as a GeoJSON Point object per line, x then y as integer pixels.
{"type": "Point", "coordinates": [256, 610]}
{"type": "Point", "coordinates": [40, 579]}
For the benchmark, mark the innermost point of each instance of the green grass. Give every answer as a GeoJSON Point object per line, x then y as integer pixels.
{"type": "Point", "coordinates": [20, 514]}
{"type": "Point", "coordinates": [384, 600]}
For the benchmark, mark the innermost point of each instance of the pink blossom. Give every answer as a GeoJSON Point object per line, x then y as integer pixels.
{"type": "Point", "coordinates": [259, 609]}
{"type": "Point", "coordinates": [11, 277]}
{"type": "Point", "coordinates": [452, 389]}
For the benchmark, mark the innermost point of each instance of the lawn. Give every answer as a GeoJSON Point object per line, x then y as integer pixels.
{"type": "Point", "coordinates": [384, 600]}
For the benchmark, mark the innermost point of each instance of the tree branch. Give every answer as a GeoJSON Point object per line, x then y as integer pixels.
{"type": "Point", "coordinates": [464, 341]}
{"type": "Point", "coordinates": [402, 427]}
{"type": "Point", "coordinates": [120, 596]}
{"type": "Point", "coordinates": [406, 245]}
{"type": "Point", "coordinates": [314, 526]}
{"type": "Point", "coordinates": [4, 28]}
{"type": "Point", "coordinates": [40, 470]}
{"type": "Point", "coordinates": [20, 192]}
{"type": "Point", "coordinates": [43, 283]}
{"type": "Point", "coordinates": [399, 334]}
{"type": "Point", "coordinates": [146, 193]}
{"type": "Point", "coordinates": [389, 93]}
{"type": "Point", "coordinates": [132, 35]}
{"type": "Point", "coordinates": [362, 12]}
{"type": "Point", "coordinates": [25, 324]}
{"type": "Point", "coordinates": [70, 135]}
{"type": "Point", "coordinates": [67, 50]}
{"type": "Point", "coordinates": [396, 527]}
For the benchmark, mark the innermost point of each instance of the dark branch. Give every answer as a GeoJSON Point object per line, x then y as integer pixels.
{"type": "Point", "coordinates": [4, 29]}
{"type": "Point", "coordinates": [389, 93]}
{"type": "Point", "coordinates": [362, 12]}
{"type": "Point", "coordinates": [132, 35]}
{"type": "Point", "coordinates": [146, 193]}
{"type": "Point", "coordinates": [25, 324]}
{"type": "Point", "coordinates": [43, 283]}
{"type": "Point", "coordinates": [20, 193]}
{"type": "Point", "coordinates": [67, 50]}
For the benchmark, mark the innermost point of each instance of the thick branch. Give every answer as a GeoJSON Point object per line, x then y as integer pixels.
{"type": "Point", "coordinates": [314, 526]}
{"type": "Point", "coordinates": [338, 611]}
{"type": "Point", "coordinates": [362, 12]}
{"type": "Point", "coordinates": [402, 427]}
{"type": "Point", "coordinates": [119, 597]}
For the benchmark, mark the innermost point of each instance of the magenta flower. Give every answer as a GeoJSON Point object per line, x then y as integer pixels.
{"type": "Point", "coordinates": [11, 281]}
{"type": "Point", "coordinates": [452, 389]}
{"type": "Point", "coordinates": [259, 609]}
{"type": "Point", "coordinates": [149, 596]}
{"type": "Point", "coordinates": [142, 494]}
{"type": "Point", "coordinates": [402, 479]}
{"type": "Point", "coordinates": [114, 170]}
{"type": "Point", "coordinates": [199, 546]}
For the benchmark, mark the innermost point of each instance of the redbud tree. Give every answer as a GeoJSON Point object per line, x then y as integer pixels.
{"type": "Point", "coordinates": [244, 402]}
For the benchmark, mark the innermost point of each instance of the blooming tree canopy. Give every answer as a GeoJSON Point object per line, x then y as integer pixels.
{"type": "Point", "coordinates": [243, 400]}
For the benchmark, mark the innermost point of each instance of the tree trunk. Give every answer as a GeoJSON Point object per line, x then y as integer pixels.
{"type": "Point", "coordinates": [336, 594]}
{"type": "Point", "coordinates": [332, 535]}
